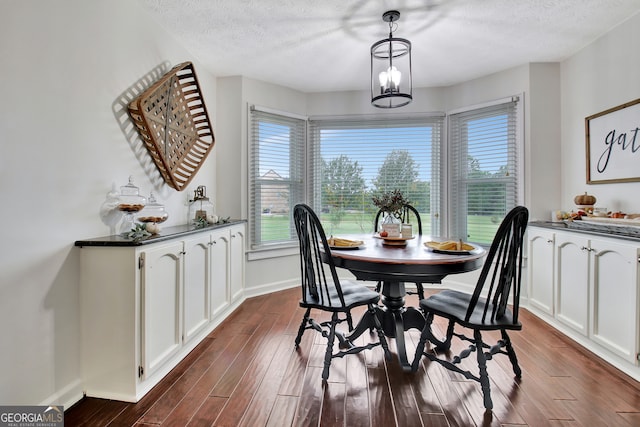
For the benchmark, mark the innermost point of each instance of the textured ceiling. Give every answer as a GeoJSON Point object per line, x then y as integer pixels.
{"type": "Point", "coordinates": [323, 45]}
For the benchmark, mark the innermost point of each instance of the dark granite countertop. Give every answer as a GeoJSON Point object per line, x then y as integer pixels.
{"type": "Point", "coordinates": [167, 233]}
{"type": "Point", "coordinates": [604, 230]}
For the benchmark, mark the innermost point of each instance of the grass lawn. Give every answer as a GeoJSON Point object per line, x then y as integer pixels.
{"type": "Point", "coordinates": [480, 228]}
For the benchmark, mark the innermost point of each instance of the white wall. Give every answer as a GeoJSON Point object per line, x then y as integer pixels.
{"type": "Point", "coordinates": [427, 100]}
{"type": "Point", "coordinates": [66, 64]}
{"type": "Point", "coordinates": [601, 76]}
{"type": "Point", "coordinates": [540, 85]}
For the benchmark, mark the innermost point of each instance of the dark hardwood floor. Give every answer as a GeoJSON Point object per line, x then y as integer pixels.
{"type": "Point", "coordinates": [247, 373]}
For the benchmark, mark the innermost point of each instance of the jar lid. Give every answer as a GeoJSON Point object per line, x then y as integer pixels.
{"type": "Point", "coordinates": [130, 189]}
{"type": "Point", "coordinates": [152, 201]}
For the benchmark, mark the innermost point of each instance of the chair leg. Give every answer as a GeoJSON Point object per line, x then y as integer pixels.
{"type": "Point", "coordinates": [328, 355]}
{"type": "Point", "coordinates": [378, 327]}
{"type": "Point", "coordinates": [424, 336]}
{"type": "Point", "coordinates": [303, 325]}
{"type": "Point", "coordinates": [447, 342]}
{"type": "Point", "coordinates": [482, 366]}
{"type": "Point", "coordinates": [420, 290]}
{"type": "Point", "coordinates": [512, 354]}
{"type": "Point", "coordinates": [349, 321]}
{"type": "Point", "coordinates": [378, 286]}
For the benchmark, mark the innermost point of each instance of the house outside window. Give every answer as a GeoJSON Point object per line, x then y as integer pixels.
{"type": "Point", "coordinates": [276, 181]}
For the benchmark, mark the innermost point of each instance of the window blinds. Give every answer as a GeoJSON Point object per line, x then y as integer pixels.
{"type": "Point", "coordinates": [276, 174]}
{"type": "Point", "coordinates": [353, 159]}
{"type": "Point", "coordinates": [483, 170]}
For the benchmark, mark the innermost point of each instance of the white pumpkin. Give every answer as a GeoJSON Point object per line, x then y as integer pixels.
{"type": "Point", "coordinates": [152, 228]}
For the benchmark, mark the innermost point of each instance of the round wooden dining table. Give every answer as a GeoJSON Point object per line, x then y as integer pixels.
{"type": "Point", "coordinates": [394, 265]}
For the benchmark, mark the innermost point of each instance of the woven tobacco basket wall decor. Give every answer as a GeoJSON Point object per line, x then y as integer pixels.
{"type": "Point", "coordinates": [172, 121]}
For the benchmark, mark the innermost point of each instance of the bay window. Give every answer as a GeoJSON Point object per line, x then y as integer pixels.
{"type": "Point", "coordinates": [462, 186]}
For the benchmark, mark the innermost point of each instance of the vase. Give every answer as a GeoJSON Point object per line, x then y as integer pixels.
{"type": "Point", "coordinates": [392, 225]}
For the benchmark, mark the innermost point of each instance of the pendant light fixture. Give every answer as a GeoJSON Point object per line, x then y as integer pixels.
{"type": "Point", "coordinates": [391, 83]}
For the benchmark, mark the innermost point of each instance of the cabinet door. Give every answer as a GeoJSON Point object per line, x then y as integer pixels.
{"type": "Point", "coordinates": [161, 282]}
{"type": "Point", "coordinates": [541, 265]}
{"type": "Point", "coordinates": [572, 281]}
{"type": "Point", "coordinates": [615, 294]}
{"type": "Point", "coordinates": [219, 296]}
{"type": "Point", "coordinates": [196, 286]}
{"type": "Point", "coordinates": [236, 262]}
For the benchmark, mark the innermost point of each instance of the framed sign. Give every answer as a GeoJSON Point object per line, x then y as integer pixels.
{"type": "Point", "coordinates": [613, 144]}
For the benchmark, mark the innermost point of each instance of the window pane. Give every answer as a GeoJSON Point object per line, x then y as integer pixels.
{"type": "Point", "coordinates": [483, 170]}
{"type": "Point", "coordinates": [276, 175]}
{"type": "Point", "coordinates": [356, 159]}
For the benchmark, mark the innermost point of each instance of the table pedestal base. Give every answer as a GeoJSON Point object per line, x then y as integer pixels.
{"type": "Point", "coordinates": [394, 318]}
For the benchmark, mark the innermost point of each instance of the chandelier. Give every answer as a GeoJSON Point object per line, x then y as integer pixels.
{"type": "Point", "coordinates": [391, 83]}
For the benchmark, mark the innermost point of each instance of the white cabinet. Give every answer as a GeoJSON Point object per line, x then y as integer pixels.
{"type": "Point", "coordinates": [236, 262]}
{"type": "Point", "coordinates": [588, 286]}
{"type": "Point", "coordinates": [197, 274]}
{"type": "Point", "coordinates": [227, 266]}
{"type": "Point", "coordinates": [541, 269]}
{"type": "Point", "coordinates": [161, 287]}
{"type": "Point", "coordinates": [144, 307]}
{"type": "Point", "coordinates": [614, 273]}
{"type": "Point", "coordinates": [220, 292]}
{"type": "Point", "coordinates": [572, 281]}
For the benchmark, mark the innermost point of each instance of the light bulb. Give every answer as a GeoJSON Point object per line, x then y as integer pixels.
{"type": "Point", "coordinates": [395, 76]}
{"type": "Point", "coordinates": [383, 78]}
{"type": "Point", "coordinates": [390, 80]}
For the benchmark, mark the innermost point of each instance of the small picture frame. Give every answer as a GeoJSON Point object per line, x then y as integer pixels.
{"type": "Point", "coordinates": [613, 144]}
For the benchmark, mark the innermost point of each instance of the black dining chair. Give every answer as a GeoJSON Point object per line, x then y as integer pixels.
{"type": "Point", "coordinates": [487, 309]}
{"type": "Point", "coordinates": [406, 214]}
{"type": "Point", "coordinates": [322, 290]}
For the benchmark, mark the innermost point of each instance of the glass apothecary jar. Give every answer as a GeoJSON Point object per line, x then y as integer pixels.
{"type": "Point", "coordinates": [153, 214]}
{"type": "Point", "coordinates": [200, 207]}
{"type": "Point", "coordinates": [130, 202]}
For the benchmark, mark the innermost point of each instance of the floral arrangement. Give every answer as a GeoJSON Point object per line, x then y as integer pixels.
{"type": "Point", "coordinates": [391, 201]}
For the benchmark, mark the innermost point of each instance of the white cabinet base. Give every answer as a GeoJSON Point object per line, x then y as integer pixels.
{"type": "Point", "coordinates": [593, 295]}
{"type": "Point", "coordinates": [143, 308]}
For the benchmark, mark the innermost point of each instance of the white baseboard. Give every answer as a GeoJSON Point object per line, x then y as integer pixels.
{"type": "Point", "coordinates": [268, 288]}
{"type": "Point", "coordinates": [67, 396]}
